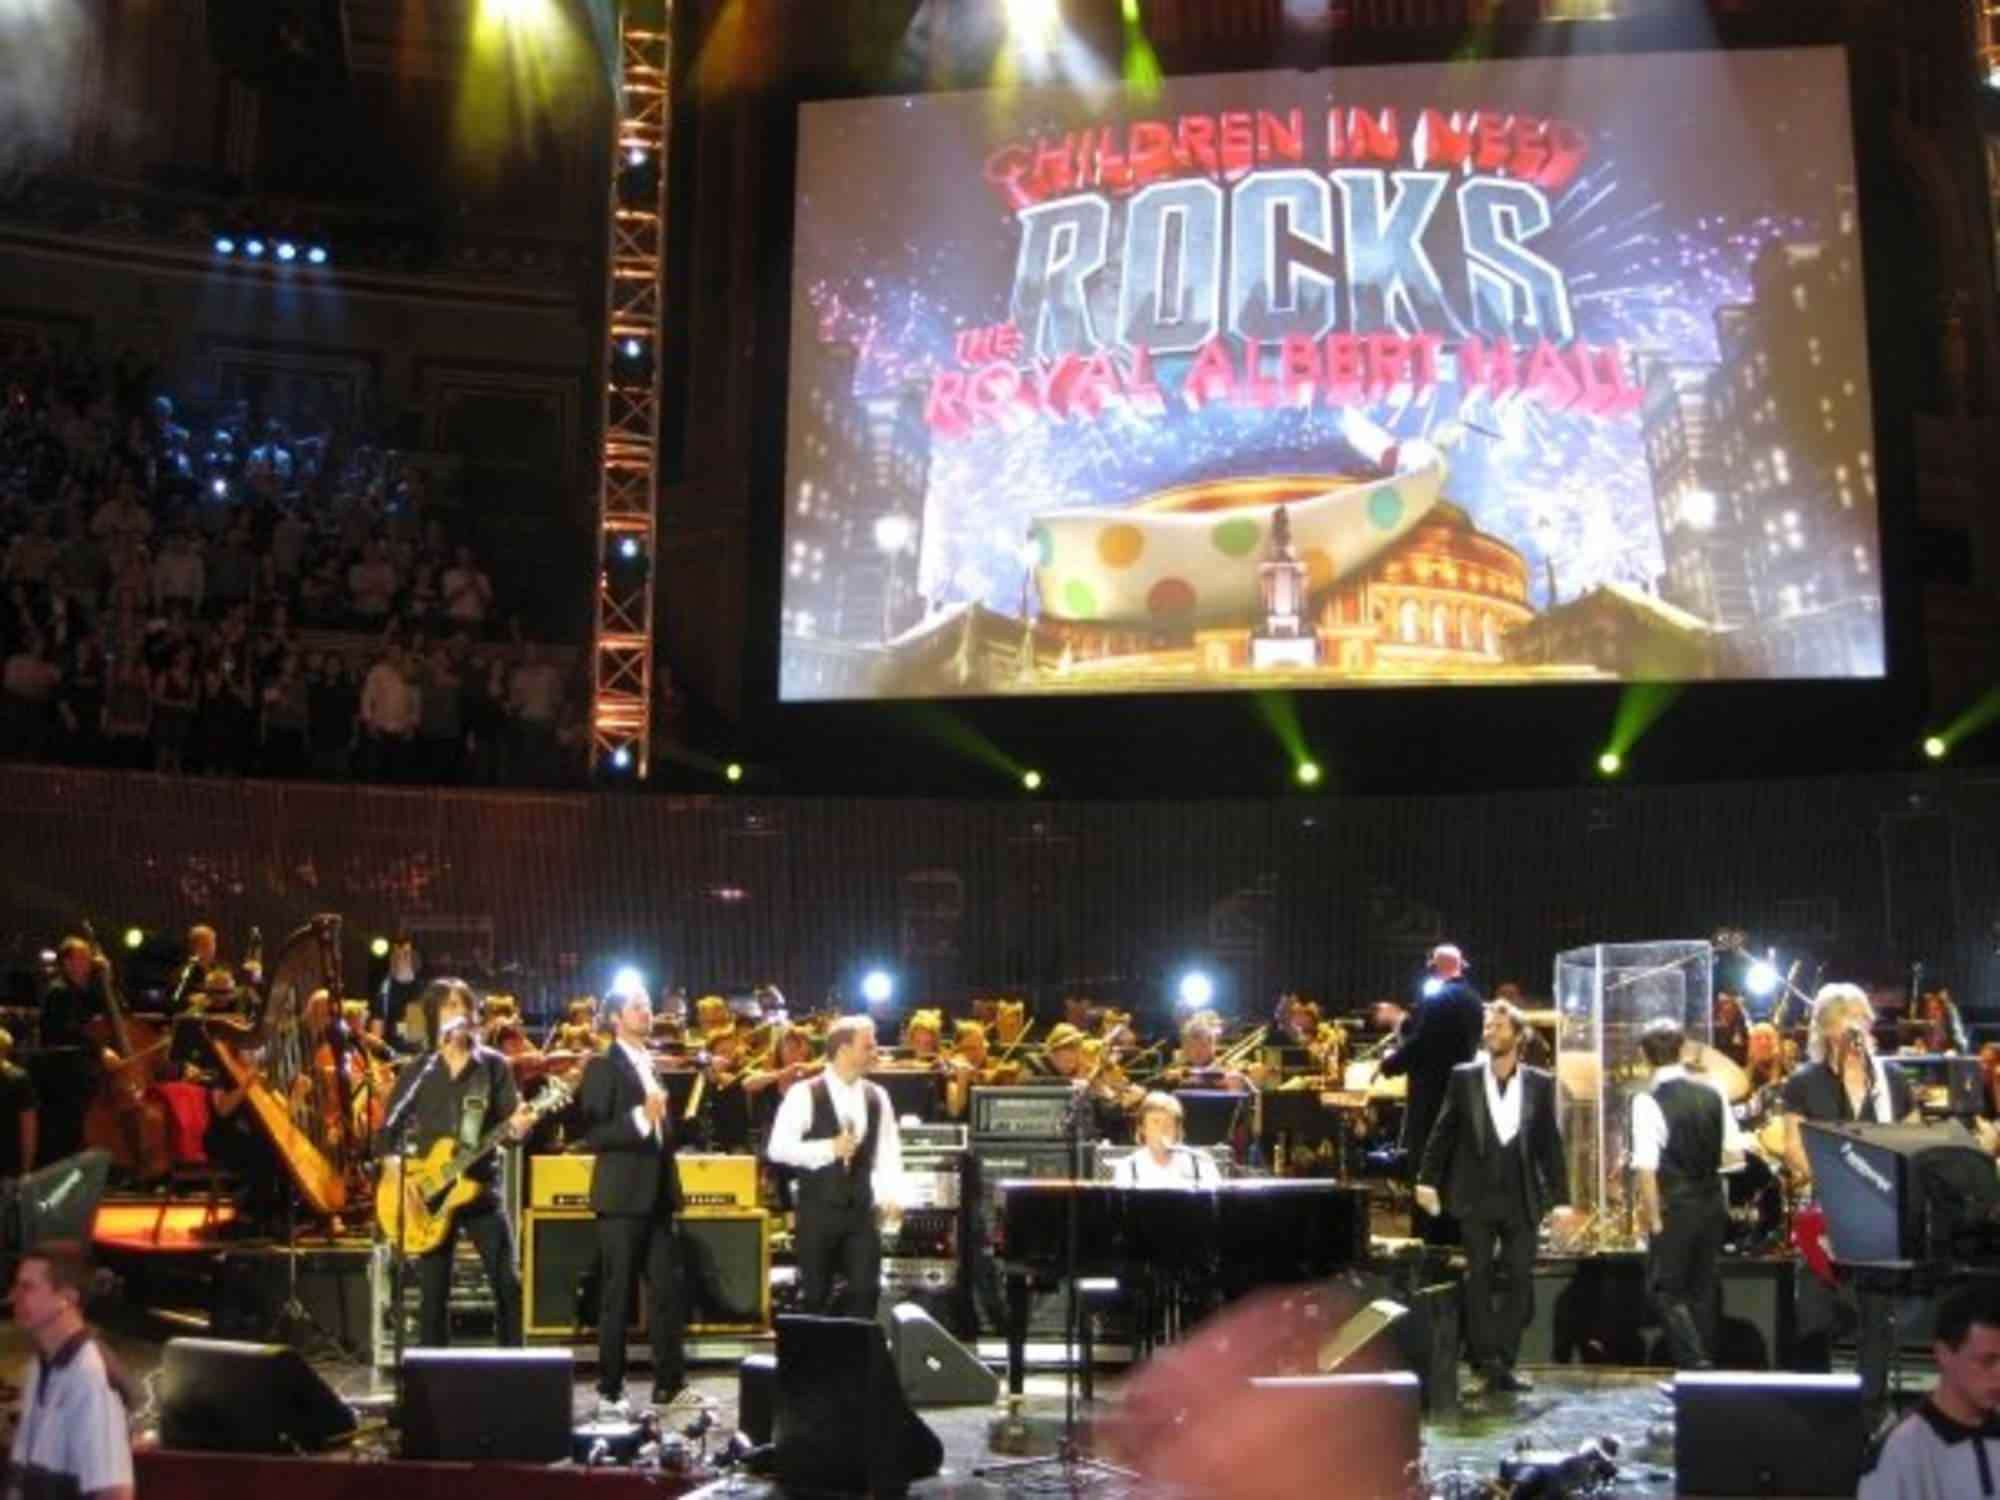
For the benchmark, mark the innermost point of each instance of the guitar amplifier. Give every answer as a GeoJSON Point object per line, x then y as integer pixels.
{"type": "Point", "coordinates": [926, 1232]}
{"type": "Point", "coordinates": [1024, 1113]}
{"type": "Point", "coordinates": [726, 1269]}
{"type": "Point", "coordinates": [707, 1181]}
{"type": "Point", "coordinates": [928, 1140]}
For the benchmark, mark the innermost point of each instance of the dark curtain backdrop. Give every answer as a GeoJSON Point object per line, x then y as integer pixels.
{"type": "Point", "coordinates": [1339, 898]}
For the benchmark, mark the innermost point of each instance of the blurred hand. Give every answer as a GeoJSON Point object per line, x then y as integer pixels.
{"type": "Point", "coordinates": [1428, 1200]}
{"type": "Point", "coordinates": [1565, 1224]}
{"type": "Point", "coordinates": [656, 1108]}
{"type": "Point", "coordinates": [1388, 1016]}
{"type": "Point", "coordinates": [519, 1121]}
{"type": "Point", "coordinates": [845, 1145]}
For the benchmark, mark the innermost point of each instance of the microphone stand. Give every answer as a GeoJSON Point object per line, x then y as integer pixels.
{"type": "Point", "coordinates": [1069, 1457]}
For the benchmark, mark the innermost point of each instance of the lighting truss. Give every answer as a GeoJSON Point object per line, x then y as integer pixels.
{"type": "Point", "coordinates": [621, 695]}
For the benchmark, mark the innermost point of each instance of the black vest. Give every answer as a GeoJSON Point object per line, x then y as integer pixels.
{"type": "Point", "coordinates": [1693, 1153]}
{"type": "Point", "coordinates": [840, 1188]}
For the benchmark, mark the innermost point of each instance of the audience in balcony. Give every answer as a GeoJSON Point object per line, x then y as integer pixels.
{"type": "Point", "coordinates": [157, 581]}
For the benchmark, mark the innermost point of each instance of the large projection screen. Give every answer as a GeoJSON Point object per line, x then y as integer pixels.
{"type": "Point", "coordinates": [1532, 371]}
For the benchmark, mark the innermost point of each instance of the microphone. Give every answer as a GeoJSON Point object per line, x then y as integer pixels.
{"type": "Point", "coordinates": [456, 1023]}
{"type": "Point", "coordinates": [393, 1125]}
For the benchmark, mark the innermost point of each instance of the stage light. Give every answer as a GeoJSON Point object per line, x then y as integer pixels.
{"type": "Point", "coordinates": [621, 758]}
{"type": "Point", "coordinates": [134, 936]}
{"type": "Point", "coordinates": [378, 948]}
{"type": "Point", "coordinates": [1433, 986]}
{"type": "Point", "coordinates": [1033, 22]}
{"type": "Point", "coordinates": [1196, 990]}
{"type": "Point", "coordinates": [628, 547]}
{"type": "Point", "coordinates": [631, 362]}
{"type": "Point", "coordinates": [1308, 773]}
{"type": "Point", "coordinates": [316, 254]}
{"type": "Point", "coordinates": [1935, 747]}
{"type": "Point", "coordinates": [253, 248]}
{"type": "Point", "coordinates": [877, 986]}
{"type": "Point", "coordinates": [733, 771]}
{"type": "Point", "coordinates": [1610, 763]}
{"type": "Point", "coordinates": [893, 533]}
{"type": "Point", "coordinates": [627, 981]}
{"type": "Point", "coordinates": [1760, 979]}
{"type": "Point", "coordinates": [636, 157]}
{"type": "Point", "coordinates": [632, 348]}
{"type": "Point", "coordinates": [219, 487]}
{"type": "Point", "coordinates": [287, 251]}
{"type": "Point", "coordinates": [224, 245]}
{"type": "Point", "coordinates": [1032, 780]}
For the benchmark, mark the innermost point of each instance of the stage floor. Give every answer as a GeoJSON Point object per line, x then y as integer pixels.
{"type": "Point", "coordinates": [1569, 1406]}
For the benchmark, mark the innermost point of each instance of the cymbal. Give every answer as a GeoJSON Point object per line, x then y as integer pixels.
{"type": "Point", "coordinates": [1702, 1058]}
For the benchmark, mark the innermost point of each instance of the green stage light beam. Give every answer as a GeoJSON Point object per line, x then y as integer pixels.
{"type": "Point", "coordinates": [1640, 707]}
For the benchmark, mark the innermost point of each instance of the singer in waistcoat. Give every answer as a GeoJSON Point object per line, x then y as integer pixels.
{"type": "Point", "coordinates": [839, 1134]}
{"type": "Point", "coordinates": [1684, 1137]}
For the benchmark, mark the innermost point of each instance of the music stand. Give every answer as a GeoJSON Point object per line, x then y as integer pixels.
{"type": "Point", "coordinates": [1210, 1115]}
{"type": "Point", "coordinates": [909, 1093]}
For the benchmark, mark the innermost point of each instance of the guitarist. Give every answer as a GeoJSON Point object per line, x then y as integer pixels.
{"type": "Point", "coordinates": [635, 1192]}
{"type": "Point", "coordinates": [460, 1091]}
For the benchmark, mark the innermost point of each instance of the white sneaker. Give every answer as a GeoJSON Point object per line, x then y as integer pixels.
{"type": "Point", "coordinates": [612, 1409]}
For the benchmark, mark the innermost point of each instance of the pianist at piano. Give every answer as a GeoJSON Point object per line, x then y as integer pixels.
{"type": "Point", "coordinates": [1161, 1161]}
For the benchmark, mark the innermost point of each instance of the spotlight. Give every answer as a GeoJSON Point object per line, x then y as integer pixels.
{"type": "Point", "coordinates": [287, 251]}
{"type": "Point", "coordinates": [1433, 986]}
{"type": "Point", "coordinates": [224, 245]}
{"type": "Point", "coordinates": [635, 156]}
{"type": "Point", "coordinates": [732, 772]}
{"type": "Point", "coordinates": [316, 254]}
{"type": "Point", "coordinates": [1196, 990]}
{"type": "Point", "coordinates": [1935, 747]}
{"type": "Point", "coordinates": [134, 936]}
{"type": "Point", "coordinates": [632, 348]}
{"type": "Point", "coordinates": [628, 547]}
{"type": "Point", "coordinates": [627, 981]}
{"type": "Point", "coordinates": [1308, 773]}
{"type": "Point", "coordinates": [877, 986]}
{"type": "Point", "coordinates": [621, 758]}
{"type": "Point", "coordinates": [1032, 780]}
{"type": "Point", "coordinates": [219, 487]}
{"type": "Point", "coordinates": [1761, 978]}
{"type": "Point", "coordinates": [631, 362]}
{"type": "Point", "coordinates": [379, 948]}
{"type": "Point", "coordinates": [253, 248]}
{"type": "Point", "coordinates": [1610, 763]}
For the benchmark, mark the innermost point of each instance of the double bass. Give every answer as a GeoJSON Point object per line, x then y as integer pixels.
{"type": "Point", "coordinates": [125, 1117]}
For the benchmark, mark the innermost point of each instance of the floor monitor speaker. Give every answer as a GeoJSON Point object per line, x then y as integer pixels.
{"type": "Point", "coordinates": [843, 1422]}
{"type": "Point", "coordinates": [219, 1396]}
{"type": "Point", "coordinates": [507, 1405]}
{"type": "Point", "coordinates": [934, 1368]}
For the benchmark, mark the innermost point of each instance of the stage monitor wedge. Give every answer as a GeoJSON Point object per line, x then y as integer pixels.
{"type": "Point", "coordinates": [219, 1396]}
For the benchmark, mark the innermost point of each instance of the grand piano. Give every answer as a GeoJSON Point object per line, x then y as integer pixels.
{"type": "Point", "coordinates": [1232, 1238]}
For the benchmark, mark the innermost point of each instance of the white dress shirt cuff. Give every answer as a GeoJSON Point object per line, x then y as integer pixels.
{"type": "Point", "coordinates": [639, 1121]}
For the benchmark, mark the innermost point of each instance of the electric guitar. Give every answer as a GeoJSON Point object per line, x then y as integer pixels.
{"type": "Point", "coordinates": [415, 1204]}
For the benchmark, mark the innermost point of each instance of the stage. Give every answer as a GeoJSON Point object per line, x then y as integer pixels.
{"type": "Point", "coordinates": [1587, 1309]}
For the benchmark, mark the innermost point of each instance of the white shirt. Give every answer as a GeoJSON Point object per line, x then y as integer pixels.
{"type": "Point", "coordinates": [1649, 1125]}
{"type": "Point", "coordinates": [1927, 1456]}
{"type": "Point", "coordinates": [642, 1060]}
{"type": "Point", "coordinates": [74, 1423]}
{"type": "Point", "coordinates": [1184, 1168]}
{"type": "Point", "coordinates": [1503, 1101]}
{"type": "Point", "coordinates": [788, 1146]}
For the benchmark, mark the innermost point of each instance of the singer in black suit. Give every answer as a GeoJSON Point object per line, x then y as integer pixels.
{"type": "Point", "coordinates": [1496, 1153]}
{"type": "Point", "coordinates": [635, 1191]}
{"type": "Point", "coordinates": [1438, 1034]}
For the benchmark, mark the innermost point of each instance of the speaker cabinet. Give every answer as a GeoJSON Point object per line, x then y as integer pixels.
{"type": "Point", "coordinates": [726, 1268]}
{"type": "Point", "coordinates": [934, 1368]}
{"type": "Point", "coordinates": [217, 1396]}
{"type": "Point", "coordinates": [509, 1405]}
{"type": "Point", "coordinates": [757, 1397]}
{"type": "Point", "coordinates": [842, 1421]}
{"type": "Point", "coordinates": [1744, 1433]}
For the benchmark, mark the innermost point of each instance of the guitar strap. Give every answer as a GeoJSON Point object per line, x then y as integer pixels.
{"type": "Point", "coordinates": [472, 1118]}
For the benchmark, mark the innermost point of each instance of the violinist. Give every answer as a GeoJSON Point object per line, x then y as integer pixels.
{"type": "Point", "coordinates": [577, 1030]}
{"type": "Point", "coordinates": [923, 1039]}
{"type": "Point", "coordinates": [75, 1003]}
{"type": "Point", "coordinates": [725, 1108]}
{"type": "Point", "coordinates": [1199, 1067]}
{"type": "Point", "coordinates": [791, 1059]}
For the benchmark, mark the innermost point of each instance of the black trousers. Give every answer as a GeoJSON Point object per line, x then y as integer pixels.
{"type": "Point", "coordinates": [843, 1242]}
{"type": "Point", "coordinates": [493, 1237]}
{"type": "Point", "coordinates": [1493, 1327]}
{"type": "Point", "coordinates": [625, 1242]}
{"type": "Point", "coordinates": [1682, 1267]}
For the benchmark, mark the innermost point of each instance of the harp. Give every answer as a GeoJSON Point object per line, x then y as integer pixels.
{"type": "Point", "coordinates": [290, 1065]}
